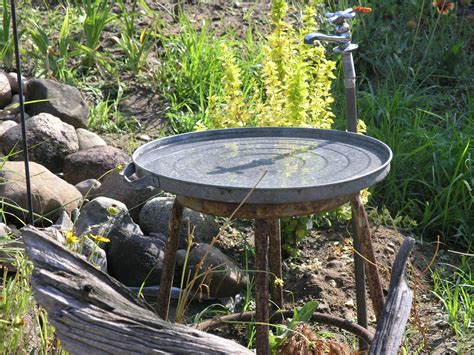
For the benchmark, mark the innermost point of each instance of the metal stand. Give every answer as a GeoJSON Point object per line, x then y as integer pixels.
{"type": "Point", "coordinates": [268, 254]}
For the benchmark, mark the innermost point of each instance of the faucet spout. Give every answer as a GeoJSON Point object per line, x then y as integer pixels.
{"type": "Point", "coordinates": [339, 38]}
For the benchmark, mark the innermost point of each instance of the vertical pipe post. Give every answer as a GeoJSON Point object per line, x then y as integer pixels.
{"type": "Point", "coordinates": [22, 114]}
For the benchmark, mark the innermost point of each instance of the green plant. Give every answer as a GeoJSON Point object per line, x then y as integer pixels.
{"type": "Point", "coordinates": [94, 15]}
{"type": "Point", "coordinates": [296, 81]}
{"type": "Point", "coordinates": [6, 37]}
{"type": "Point", "coordinates": [189, 74]}
{"type": "Point", "coordinates": [105, 115]}
{"type": "Point", "coordinates": [23, 325]}
{"type": "Point", "coordinates": [54, 55]}
{"type": "Point", "coordinates": [454, 288]}
{"type": "Point", "coordinates": [136, 45]}
{"type": "Point", "coordinates": [282, 333]}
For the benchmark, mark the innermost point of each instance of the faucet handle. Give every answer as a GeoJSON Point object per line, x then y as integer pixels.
{"type": "Point", "coordinates": [340, 16]}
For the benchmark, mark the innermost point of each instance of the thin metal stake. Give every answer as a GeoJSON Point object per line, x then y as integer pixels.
{"type": "Point", "coordinates": [22, 115]}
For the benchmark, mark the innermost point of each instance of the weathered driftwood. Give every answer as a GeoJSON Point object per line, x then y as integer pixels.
{"type": "Point", "coordinates": [94, 314]}
{"type": "Point", "coordinates": [391, 326]}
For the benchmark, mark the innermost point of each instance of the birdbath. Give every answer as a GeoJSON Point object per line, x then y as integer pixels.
{"type": "Point", "coordinates": [263, 173]}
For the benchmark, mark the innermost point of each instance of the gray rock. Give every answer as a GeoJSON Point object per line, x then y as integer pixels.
{"type": "Point", "coordinates": [224, 278]}
{"type": "Point", "coordinates": [55, 234]}
{"type": "Point", "coordinates": [4, 230]}
{"type": "Point", "coordinates": [50, 141]}
{"type": "Point", "coordinates": [50, 193]}
{"type": "Point", "coordinates": [5, 90]}
{"type": "Point", "coordinates": [63, 101]}
{"type": "Point", "coordinates": [155, 214]}
{"type": "Point", "coordinates": [136, 259]}
{"type": "Point", "coordinates": [63, 223]}
{"type": "Point", "coordinates": [5, 126]}
{"type": "Point", "coordinates": [114, 186]}
{"type": "Point", "coordinates": [92, 163]}
{"type": "Point", "coordinates": [89, 187]}
{"type": "Point", "coordinates": [18, 117]}
{"type": "Point", "coordinates": [96, 217]}
{"type": "Point", "coordinates": [88, 139]}
{"type": "Point", "coordinates": [12, 79]}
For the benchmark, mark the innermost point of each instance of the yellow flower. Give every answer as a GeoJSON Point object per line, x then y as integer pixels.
{"type": "Point", "coordinates": [278, 282]}
{"type": "Point", "coordinates": [71, 237]}
{"type": "Point", "coordinates": [99, 238]}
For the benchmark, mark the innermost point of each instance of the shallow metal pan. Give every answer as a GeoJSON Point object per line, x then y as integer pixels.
{"type": "Point", "coordinates": [297, 164]}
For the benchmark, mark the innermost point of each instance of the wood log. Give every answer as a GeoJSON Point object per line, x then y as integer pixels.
{"type": "Point", "coordinates": [391, 326]}
{"type": "Point", "coordinates": [95, 314]}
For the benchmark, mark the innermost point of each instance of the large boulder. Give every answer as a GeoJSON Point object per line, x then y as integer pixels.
{"type": "Point", "coordinates": [92, 163]}
{"type": "Point", "coordinates": [114, 186]}
{"type": "Point", "coordinates": [60, 100]}
{"type": "Point", "coordinates": [136, 259]}
{"type": "Point", "coordinates": [99, 215]}
{"type": "Point", "coordinates": [155, 215]}
{"type": "Point", "coordinates": [88, 139]}
{"type": "Point", "coordinates": [50, 193]}
{"type": "Point", "coordinates": [5, 90]}
{"type": "Point", "coordinates": [222, 276]}
{"type": "Point", "coordinates": [49, 140]}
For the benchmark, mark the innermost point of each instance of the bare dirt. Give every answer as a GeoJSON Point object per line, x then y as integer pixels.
{"type": "Point", "coordinates": [324, 272]}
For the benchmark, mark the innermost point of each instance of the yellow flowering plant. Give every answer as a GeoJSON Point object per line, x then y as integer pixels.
{"type": "Point", "coordinates": [295, 81]}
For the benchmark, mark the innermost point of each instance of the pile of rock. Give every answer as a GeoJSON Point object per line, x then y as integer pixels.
{"type": "Point", "coordinates": [73, 169]}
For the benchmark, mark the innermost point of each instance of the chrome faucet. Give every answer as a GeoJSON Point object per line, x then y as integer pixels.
{"type": "Point", "coordinates": [343, 37]}
{"type": "Point", "coordinates": [343, 34]}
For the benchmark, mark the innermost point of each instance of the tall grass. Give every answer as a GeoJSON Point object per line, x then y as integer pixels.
{"type": "Point", "coordinates": [414, 73]}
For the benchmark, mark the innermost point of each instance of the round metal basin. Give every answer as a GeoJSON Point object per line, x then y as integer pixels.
{"type": "Point", "coordinates": [281, 165]}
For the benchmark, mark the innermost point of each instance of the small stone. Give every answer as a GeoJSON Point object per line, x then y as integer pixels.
{"type": "Point", "coordinates": [332, 283]}
{"type": "Point", "coordinates": [143, 137]}
{"type": "Point", "coordinates": [88, 187]}
{"type": "Point", "coordinates": [334, 264]}
{"type": "Point", "coordinates": [389, 250]}
{"type": "Point", "coordinates": [323, 307]}
{"type": "Point", "coordinates": [5, 90]}
{"type": "Point", "coordinates": [349, 303]}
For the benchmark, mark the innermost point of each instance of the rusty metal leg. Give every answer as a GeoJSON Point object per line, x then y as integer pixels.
{"type": "Point", "coordinates": [169, 259]}
{"type": "Point", "coordinates": [362, 229]}
{"type": "Point", "coordinates": [274, 261]}
{"type": "Point", "coordinates": [263, 230]}
{"type": "Point", "coordinates": [359, 270]}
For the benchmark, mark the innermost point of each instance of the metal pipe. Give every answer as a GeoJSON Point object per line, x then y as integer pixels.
{"type": "Point", "coordinates": [22, 115]}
